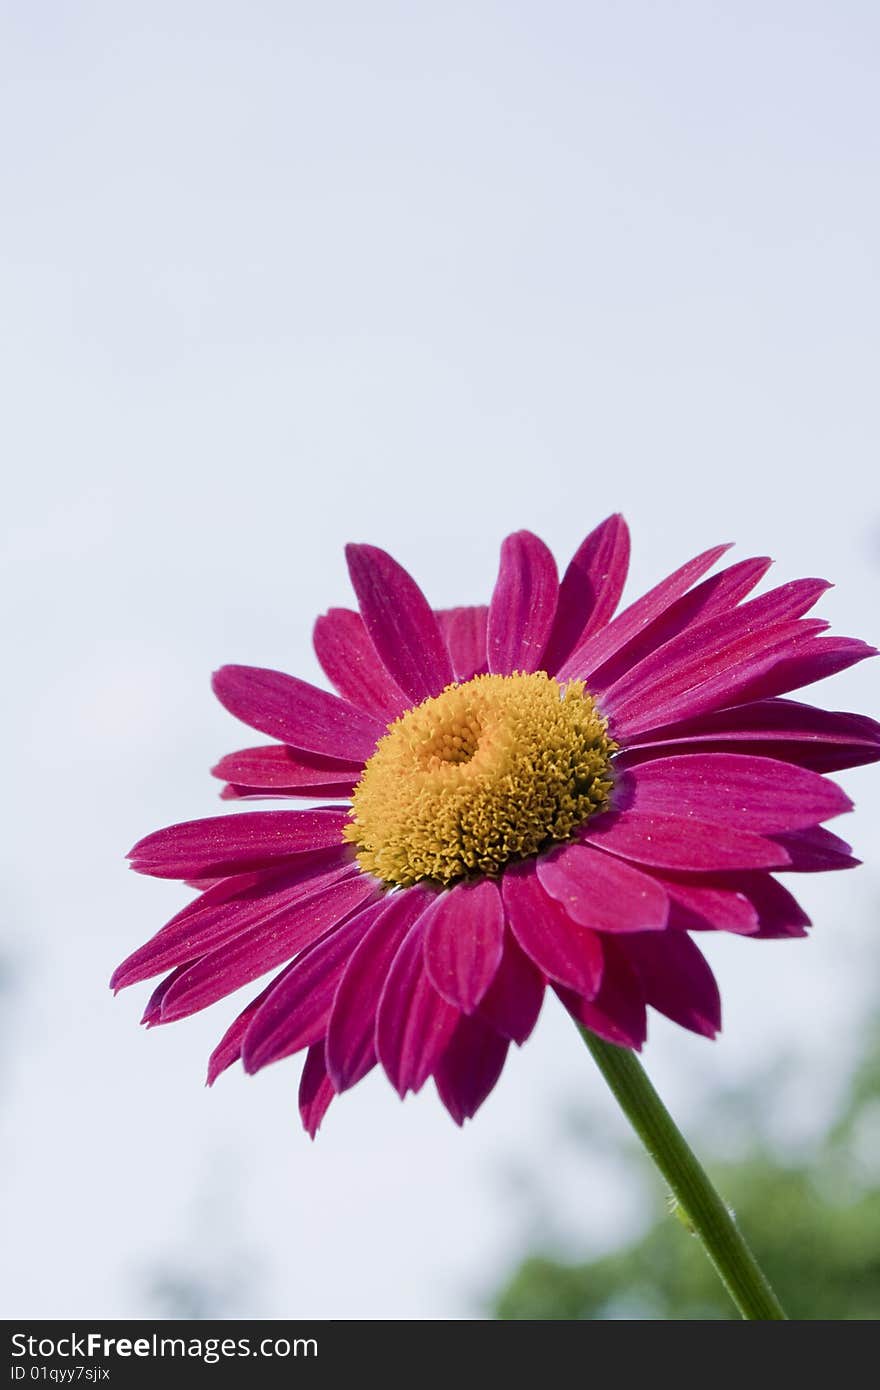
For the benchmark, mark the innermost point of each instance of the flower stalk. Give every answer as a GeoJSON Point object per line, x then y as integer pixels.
{"type": "Point", "coordinates": [705, 1212]}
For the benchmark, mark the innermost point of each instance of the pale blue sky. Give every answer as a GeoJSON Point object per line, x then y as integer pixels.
{"type": "Point", "coordinates": [276, 276]}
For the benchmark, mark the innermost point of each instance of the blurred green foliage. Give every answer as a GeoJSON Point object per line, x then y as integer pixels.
{"type": "Point", "coordinates": [814, 1225]}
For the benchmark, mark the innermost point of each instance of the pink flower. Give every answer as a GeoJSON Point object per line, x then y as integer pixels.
{"type": "Point", "coordinates": [530, 793]}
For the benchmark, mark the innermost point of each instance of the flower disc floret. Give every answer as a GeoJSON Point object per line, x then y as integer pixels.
{"type": "Point", "coordinates": [495, 769]}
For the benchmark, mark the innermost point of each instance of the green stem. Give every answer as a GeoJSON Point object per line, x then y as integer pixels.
{"type": "Point", "coordinates": [697, 1198]}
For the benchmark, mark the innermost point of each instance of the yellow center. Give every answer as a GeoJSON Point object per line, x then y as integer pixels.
{"type": "Point", "coordinates": [497, 769]}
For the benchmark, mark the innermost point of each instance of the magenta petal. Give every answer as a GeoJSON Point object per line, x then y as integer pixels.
{"type": "Point", "coordinates": [297, 713]}
{"type": "Point", "coordinates": [523, 605]}
{"type": "Point", "coordinates": [315, 1090]}
{"type": "Point", "coordinates": [413, 1023]}
{"type": "Point", "coordinates": [228, 1049]}
{"type": "Point", "coordinates": [400, 622]}
{"type": "Point", "coordinates": [617, 1013]}
{"type": "Point", "coordinates": [152, 1014]}
{"type": "Point", "coordinates": [719, 594]}
{"type": "Point", "coordinates": [224, 845]}
{"type": "Point", "coordinates": [779, 914]}
{"type": "Point", "coordinates": [464, 937]}
{"type": "Point", "coordinates": [698, 907]}
{"type": "Point", "coordinates": [589, 655]}
{"type": "Point", "coordinates": [735, 790]}
{"type": "Point", "coordinates": [756, 666]}
{"type": "Point", "coordinates": [338, 791]}
{"type": "Point", "coordinates": [350, 662]}
{"type": "Point", "coordinates": [264, 946]}
{"type": "Point", "coordinates": [601, 892]}
{"type": "Point", "coordinates": [275, 768]}
{"type": "Point", "coordinates": [823, 740]}
{"type": "Point", "coordinates": [352, 1026]}
{"type": "Point", "coordinates": [696, 652]}
{"type": "Point", "coordinates": [464, 632]}
{"type": "Point", "coordinates": [674, 842]}
{"type": "Point", "coordinates": [816, 850]}
{"type": "Point", "coordinates": [513, 1001]}
{"type": "Point", "coordinates": [590, 590]}
{"type": "Point", "coordinates": [224, 911]}
{"type": "Point", "coordinates": [813, 661]}
{"type": "Point", "coordinates": [722, 674]}
{"type": "Point", "coordinates": [470, 1067]}
{"type": "Point", "coordinates": [676, 979]}
{"type": "Point", "coordinates": [562, 949]}
{"type": "Point", "coordinates": [294, 1015]}
{"type": "Point", "coordinates": [140, 964]}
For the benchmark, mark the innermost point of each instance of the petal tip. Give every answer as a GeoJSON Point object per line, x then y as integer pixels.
{"type": "Point", "coordinates": [219, 677]}
{"type": "Point", "coordinates": [355, 549]}
{"type": "Point", "coordinates": [252, 1056]}
{"type": "Point", "coordinates": [706, 1027]}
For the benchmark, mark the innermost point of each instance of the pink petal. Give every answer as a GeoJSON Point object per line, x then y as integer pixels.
{"type": "Point", "coordinates": [334, 792]}
{"type": "Point", "coordinates": [815, 850]}
{"type": "Point", "coordinates": [676, 979]}
{"type": "Point", "coordinates": [464, 631]}
{"type": "Point", "coordinates": [264, 946]}
{"type": "Point", "coordinates": [470, 1067]}
{"type": "Point", "coordinates": [762, 666]}
{"type": "Point", "coordinates": [152, 1014]}
{"type": "Point", "coordinates": [513, 1001]}
{"type": "Point", "coordinates": [674, 842]}
{"type": "Point", "coordinates": [617, 1013]}
{"type": "Point", "coordinates": [733, 789]}
{"type": "Point", "coordinates": [215, 891]}
{"type": "Point", "coordinates": [352, 1025]}
{"type": "Point", "coordinates": [400, 622]}
{"type": "Point", "coordinates": [464, 939]}
{"type": "Point", "coordinates": [698, 907]}
{"type": "Point", "coordinates": [297, 713]}
{"type": "Point", "coordinates": [315, 1091]}
{"type": "Point", "coordinates": [350, 662]}
{"type": "Point", "coordinates": [590, 590]}
{"type": "Point", "coordinates": [779, 914]}
{"type": "Point", "coordinates": [295, 1013]}
{"type": "Point", "coordinates": [823, 740]}
{"type": "Point", "coordinates": [814, 661]}
{"type": "Point", "coordinates": [720, 594]}
{"type": "Point", "coordinates": [603, 893]}
{"type": "Point", "coordinates": [687, 659]}
{"type": "Point", "coordinates": [523, 605]}
{"type": "Point", "coordinates": [224, 845]}
{"type": "Point", "coordinates": [275, 768]}
{"type": "Point", "coordinates": [559, 947]}
{"type": "Point", "coordinates": [228, 1049]}
{"type": "Point", "coordinates": [413, 1023]}
{"type": "Point", "coordinates": [723, 676]}
{"type": "Point", "coordinates": [225, 911]}
{"type": "Point", "coordinates": [589, 655]}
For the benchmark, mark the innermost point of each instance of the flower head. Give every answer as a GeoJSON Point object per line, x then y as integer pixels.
{"type": "Point", "coordinates": [488, 772]}
{"type": "Point", "coordinates": [527, 794]}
